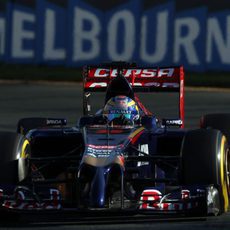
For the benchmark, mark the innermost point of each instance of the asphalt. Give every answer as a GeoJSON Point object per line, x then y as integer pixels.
{"type": "Point", "coordinates": [64, 100]}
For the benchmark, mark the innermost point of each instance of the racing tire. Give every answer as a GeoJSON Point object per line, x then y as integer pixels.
{"type": "Point", "coordinates": [23, 161]}
{"type": "Point", "coordinates": [220, 121]}
{"type": "Point", "coordinates": [206, 161]}
{"type": "Point", "coordinates": [9, 148]}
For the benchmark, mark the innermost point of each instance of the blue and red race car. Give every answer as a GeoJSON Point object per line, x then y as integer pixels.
{"type": "Point", "coordinates": [121, 158]}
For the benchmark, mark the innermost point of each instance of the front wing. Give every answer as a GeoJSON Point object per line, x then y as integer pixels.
{"type": "Point", "coordinates": [197, 200]}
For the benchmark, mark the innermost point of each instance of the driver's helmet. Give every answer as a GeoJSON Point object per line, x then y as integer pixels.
{"type": "Point", "coordinates": [121, 110]}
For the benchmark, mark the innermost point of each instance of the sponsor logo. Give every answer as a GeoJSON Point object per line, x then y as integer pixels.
{"type": "Point", "coordinates": [145, 149]}
{"type": "Point", "coordinates": [102, 146]}
{"type": "Point", "coordinates": [158, 35]}
{"type": "Point", "coordinates": [22, 202]}
{"type": "Point", "coordinates": [136, 84]}
{"type": "Point", "coordinates": [102, 150]}
{"type": "Point", "coordinates": [149, 198]}
{"type": "Point", "coordinates": [143, 73]}
{"type": "Point", "coordinates": [55, 122]}
{"type": "Point", "coordinates": [154, 200]}
{"type": "Point", "coordinates": [172, 122]}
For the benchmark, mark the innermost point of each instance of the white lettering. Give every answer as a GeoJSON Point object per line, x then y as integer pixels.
{"type": "Point", "coordinates": [127, 19]}
{"type": "Point", "coordinates": [19, 34]}
{"type": "Point", "coordinates": [81, 35]}
{"type": "Point", "coordinates": [186, 42]}
{"type": "Point", "coordinates": [115, 37]}
{"type": "Point", "coordinates": [55, 122]}
{"type": "Point", "coordinates": [98, 84]}
{"type": "Point", "coordinates": [144, 73]}
{"type": "Point", "coordinates": [148, 84]}
{"type": "Point", "coordinates": [50, 53]}
{"type": "Point", "coordinates": [165, 72]}
{"type": "Point", "coordinates": [129, 72]}
{"type": "Point", "coordinates": [149, 73]}
{"type": "Point", "coordinates": [214, 35]}
{"type": "Point", "coordinates": [101, 73]}
{"type": "Point", "coordinates": [153, 84]}
{"type": "Point", "coordinates": [2, 36]}
{"type": "Point", "coordinates": [170, 85]}
{"type": "Point", "coordinates": [144, 150]}
{"type": "Point", "coordinates": [113, 73]}
{"type": "Point", "coordinates": [161, 38]}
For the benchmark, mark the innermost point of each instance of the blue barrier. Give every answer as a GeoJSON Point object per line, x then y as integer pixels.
{"type": "Point", "coordinates": [81, 32]}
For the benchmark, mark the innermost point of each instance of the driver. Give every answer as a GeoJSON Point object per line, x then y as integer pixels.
{"type": "Point", "coordinates": [121, 110]}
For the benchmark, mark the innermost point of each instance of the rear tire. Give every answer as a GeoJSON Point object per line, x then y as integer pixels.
{"type": "Point", "coordinates": [205, 161]}
{"type": "Point", "coordinates": [9, 146]}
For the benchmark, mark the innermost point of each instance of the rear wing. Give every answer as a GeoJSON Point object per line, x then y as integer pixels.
{"type": "Point", "coordinates": [142, 79]}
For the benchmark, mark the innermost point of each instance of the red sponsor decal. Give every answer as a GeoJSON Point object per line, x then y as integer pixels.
{"type": "Point", "coordinates": [152, 199]}
{"type": "Point", "coordinates": [23, 203]}
{"type": "Point", "coordinates": [139, 77]}
{"type": "Point", "coordinates": [185, 194]}
{"type": "Point", "coordinates": [113, 131]}
{"type": "Point", "coordinates": [150, 195]}
{"type": "Point", "coordinates": [139, 73]}
{"type": "Point", "coordinates": [139, 84]}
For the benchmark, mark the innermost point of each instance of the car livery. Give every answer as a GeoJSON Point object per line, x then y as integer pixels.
{"type": "Point", "coordinates": [152, 165]}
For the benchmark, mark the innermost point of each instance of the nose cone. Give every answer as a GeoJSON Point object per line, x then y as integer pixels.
{"type": "Point", "coordinates": [119, 86]}
{"type": "Point", "coordinates": [98, 187]}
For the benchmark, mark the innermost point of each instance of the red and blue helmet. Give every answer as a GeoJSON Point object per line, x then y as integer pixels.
{"type": "Point", "coordinates": [121, 107]}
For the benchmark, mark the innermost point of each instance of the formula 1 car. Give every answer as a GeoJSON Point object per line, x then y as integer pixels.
{"type": "Point", "coordinates": [121, 158]}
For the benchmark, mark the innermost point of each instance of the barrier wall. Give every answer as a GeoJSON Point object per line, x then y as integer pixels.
{"type": "Point", "coordinates": [79, 32]}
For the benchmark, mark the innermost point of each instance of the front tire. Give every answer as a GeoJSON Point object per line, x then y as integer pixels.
{"type": "Point", "coordinates": [205, 161]}
{"type": "Point", "coordinates": [9, 150]}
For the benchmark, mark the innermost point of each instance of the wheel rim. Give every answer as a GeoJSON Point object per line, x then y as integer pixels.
{"type": "Point", "coordinates": [228, 170]}
{"type": "Point", "coordinates": [224, 172]}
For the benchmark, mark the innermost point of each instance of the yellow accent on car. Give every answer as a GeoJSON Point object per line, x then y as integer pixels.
{"type": "Point", "coordinates": [131, 103]}
{"type": "Point", "coordinates": [222, 174]}
{"type": "Point", "coordinates": [23, 151]}
{"type": "Point", "coordinates": [136, 132]}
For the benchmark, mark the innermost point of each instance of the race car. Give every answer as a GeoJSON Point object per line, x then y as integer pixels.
{"type": "Point", "coordinates": [121, 157]}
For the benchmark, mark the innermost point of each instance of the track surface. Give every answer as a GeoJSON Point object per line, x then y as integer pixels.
{"type": "Point", "coordinates": [46, 100]}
